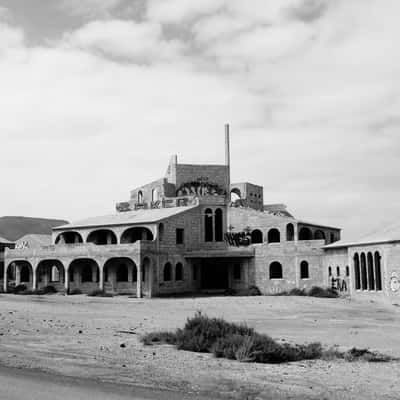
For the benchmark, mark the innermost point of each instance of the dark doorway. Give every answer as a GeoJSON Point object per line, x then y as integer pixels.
{"type": "Point", "coordinates": [214, 275]}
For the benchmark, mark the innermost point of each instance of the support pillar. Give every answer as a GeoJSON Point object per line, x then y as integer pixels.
{"type": "Point", "coordinates": [101, 277]}
{"type": "Point", "coordinates": [139, 282]}
{"type": "Point", "coordinates": [66, 281]}
{"type": "Point", "coordinates": [34, 278]}
{"type": "Point", "coordinates": [17, 275]}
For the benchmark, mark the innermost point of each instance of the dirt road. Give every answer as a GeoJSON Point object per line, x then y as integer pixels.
{"type": "Point", "coordinates": [98, 338]}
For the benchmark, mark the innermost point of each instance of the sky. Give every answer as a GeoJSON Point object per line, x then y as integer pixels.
{"type": "Point", "coordinates": [96, 95]}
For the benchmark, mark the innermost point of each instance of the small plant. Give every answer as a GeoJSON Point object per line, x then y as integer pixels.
{"type": "Point", "coordinates": [49, 289]}
{"type": "Point", "coordinates": [297, 292]}
{"type": "Point", "coordinates": [317, 291]}
{"type": "Point", "coordinates": [99, 293]}
{"type": "Point", "coordinates": [75, 291]}
{"type": "Point", "coordinates": [161, 337]}
{"type": "Point", "coordinates": [19, 289]}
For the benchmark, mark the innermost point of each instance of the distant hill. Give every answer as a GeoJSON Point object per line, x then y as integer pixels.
{"type": "Point", "coordinates": [13, 228]}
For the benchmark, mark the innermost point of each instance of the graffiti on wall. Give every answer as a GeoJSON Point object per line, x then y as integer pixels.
{"type": "Point", "coordinates": [394, 282]}
{"type": "Point", "coordinates": [238, 238]}
{"type": "Point", "coordinates": [339, 285]}
{"type": "Point", "coordinates": [200, 187]}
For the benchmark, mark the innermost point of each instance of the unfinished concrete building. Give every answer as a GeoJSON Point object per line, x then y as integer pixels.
{"type": "Point", "coordinates": [190, 231]}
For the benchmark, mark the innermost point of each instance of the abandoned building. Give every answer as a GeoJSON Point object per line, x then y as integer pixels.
{"type": "Point", "coordinates": [195, 231]}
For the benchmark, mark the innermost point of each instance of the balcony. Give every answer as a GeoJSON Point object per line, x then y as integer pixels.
{"type": "Point", "coordinates": [84, 250]}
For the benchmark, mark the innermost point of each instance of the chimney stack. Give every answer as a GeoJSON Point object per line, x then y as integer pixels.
{"type": "Point", "coordinates": [227, 146]}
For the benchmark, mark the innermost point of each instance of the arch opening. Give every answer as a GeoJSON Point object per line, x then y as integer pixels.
{"type": "Point", "coordinates": [304, 270]}
{"type": "Point", "coordinates": [179, 272]}
{"type": "Point", "coordinates": [167, 273]}
{"type": "Point", "coordinates": [275, 270]}
{"type": "Point", "coordinates": [319, 235]}
{"type": "Point", "coordinates": [357, 272]}
{"type": "Point", "coordinates": [70, 237]}
{"type": "Point", "coordinates": [132, 235]}
{"type": "Point", "coordinates": [289, 232]}
{"type": "Point", "coordinates": [274, 236]}
{"type": "Point", "coordinates": [305, 234]}
{"type": "Point", "coordinates": [102, 237]}
{"type": "Point", "coordinates": [256, 236]}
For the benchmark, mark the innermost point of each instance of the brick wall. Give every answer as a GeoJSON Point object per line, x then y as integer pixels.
{"type": "Point", "coordinates": [289, 255]}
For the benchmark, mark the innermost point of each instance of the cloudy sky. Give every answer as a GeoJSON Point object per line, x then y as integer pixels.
{"type": "Point", "coordinates": [95, 95]}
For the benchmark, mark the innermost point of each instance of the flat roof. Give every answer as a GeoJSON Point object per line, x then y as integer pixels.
{"type": "Point", "coordinates": [127, 218]}
{"type": "Point", "coordinates": [389, 234]}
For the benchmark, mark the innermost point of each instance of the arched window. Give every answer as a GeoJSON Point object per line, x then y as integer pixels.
{"type": "Point", "coordinates": [319, 235]}
{"type": "Point", "coordinates": [371, 275]}
{"type": "Point", "coordinates": [87, 273]}
{"type": "Point", "coordinates": [161, 232]}
{"type": "Point", "coordinates": [364, 277]}
{"type": "Point", "coordinates": [208, 225]}
{"type": "Point", "coordinates": [274, 236]}
{"type": "Point", "coordinates": [167, 272]}
{"type": "Point", "coordinates": [219, 225]}
{"type": "Point", "coordinates": [179, 272]}
{"type": "Point", "coordinates": [329, 271]}
{"type": "Point", "coordinates": [332, 237]}
{"type": "Point", "coordinates": [55, 274]}
{"type": "Point", "coordinates": [378, 272]}
{"type": "Point", "coordinates": [305, 234]}
{"type": "Point", "coordinates": [357, 273]}
{"type": "Point", "coordinates": [256, 236]}
{"type": "Point", "coordinates": [102, 237]}
{"type": "Point", "coordinates": [25, 274]}
{"type": "Point", "coordinates": [337, 271]}
{"type": "Point", "coordinates": [140, 197]}
{"type": "Point", "coordinates": [122, 273]}
{"type": "Point", "coordinates": [275, 270]}
{"type": "Point", "coordinates": [347, 270]}
{"type": "Point", "coordinates": [132, 235]}
{"type": "Point", "coordinates": [289, 232]}
{"type": "Point", "coordinates": [304, 270]}
{"type": "Point", "coordinates": [235, 195]}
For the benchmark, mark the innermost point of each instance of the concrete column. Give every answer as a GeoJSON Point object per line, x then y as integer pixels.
{"type": "Point", "coordinates": [101, 277]}
{"type": "Point", "coordinates": [66, 281]}
{"type": "Point", "coordinates": [34, 278]}
{"type": "Point", "coordinates": [139, 282]}
{"type": "Point", "coordinates": [5, 277]}
{"type": "Point", "coordinates": [296, 233]}
{"type": "Point", "coordinates": [17, 275]}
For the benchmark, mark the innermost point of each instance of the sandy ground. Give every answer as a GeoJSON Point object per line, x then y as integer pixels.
{"type": "Point", "coordinates": [84, 337]}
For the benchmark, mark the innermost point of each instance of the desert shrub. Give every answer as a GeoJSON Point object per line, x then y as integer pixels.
{"type": "Point", "coordinates": [19, 289]}
{"type": "Point", "coordinates": [49, 289]}
{"type": "Point", "coordinates": [161, 337]}
{"type": "Point", "coordinates": [75, 291]}
{"type": "Point", "coordinates": [241, 343]}
{"type": "Point", "coordinates": [317, 291]}
{"type": "Point", "coordinates": [254, 291]}
{"type": "Point", "coordinates": [297, 292]}
{"type": "Point", "coordinates": [99, 293]}
{"type": "Point", "coordinates": [355, 354]}
{"type": "Point", "coordinates": [201, 332]}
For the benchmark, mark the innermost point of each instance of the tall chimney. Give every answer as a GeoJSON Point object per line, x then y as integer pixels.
{"type": "Point", "coordinates": [227, 146]}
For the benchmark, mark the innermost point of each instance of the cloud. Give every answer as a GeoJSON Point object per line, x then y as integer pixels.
{"type": "Point", "coordinates": [143, 43]}
{"type": "Point", "coordinates": [310, 88]}
{"type": "Point", "coordinates": [90, 8]}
